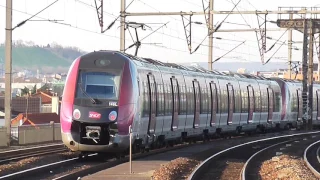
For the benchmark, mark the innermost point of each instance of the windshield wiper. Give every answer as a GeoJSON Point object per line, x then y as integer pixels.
{"type": "Point", "coordinates": [85, 93]}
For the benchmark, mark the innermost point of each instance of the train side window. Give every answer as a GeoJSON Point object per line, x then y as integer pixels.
{"type": "Point", "coordinates": [169, 100]}
{"type": "Point", "coordinates": [204, 101]}
{"type": "Point", "coordinates": [244, 97]}
{"type": "Point", "coordinates": [237, 101]}
{"type": "Point", "coordinates": [146, 105]}
{"type": "Point", "coordinates": [224, 101]}
{"type": "Point", "coordinates": [214, 102]}
{"type": "Point", "coordinates": [183, 99]}
{"type": "Point", "coordinates": [175, 95]}
{"type": "Point", "coordinates": [190, 101]}
{"type": "Point", "coordinates": [277, 101]}
{"type": "Point", "coordinates": [251, 103]}
{"type": "Point", "coordinates": [138, 86]}
{"type": "Point", "coordinates": [314, 106]}
{"type": "Point", "coordinates": [318, 105]}
{"type": "Point", "coordinates": [257, 106]}
{"type": "Point", "coordinates": [197, 102]}
{"type": "Point", "coordinates": [270, 103]}
{"type": "Point", "coordinates": [231, 104]}
{"type": "Point", "coordinates": [160, 100]}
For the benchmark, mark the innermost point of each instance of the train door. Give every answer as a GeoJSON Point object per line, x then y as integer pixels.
{"type": "Point", "coordinates": [318, 107]}
{"type": "Point", "coordinates": [196, 91]}
{"type": "Point", "coordinates": [270, 104]}
{"type": "Point", "coordinates": [175, 102]}
{"type": "Point", "coordinates": [250, 103]}
{"type": "Point", "coordinates": [230, 103]}
{"type": "Point", "coordinates": [152, 104]}
{"type": "Point", "coordinates": [299, 99]}
{"type": "Point", "coordinates": [213, 90]}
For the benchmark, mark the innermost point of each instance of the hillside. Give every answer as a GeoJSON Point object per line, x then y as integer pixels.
{"type": "Point", "coordinates": [56, 58]}
{"type": "Point", "coordinates": [49, 58]}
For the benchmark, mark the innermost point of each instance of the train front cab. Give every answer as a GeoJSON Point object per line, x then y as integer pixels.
{"type": "Point", "coordinates": [98, 103]}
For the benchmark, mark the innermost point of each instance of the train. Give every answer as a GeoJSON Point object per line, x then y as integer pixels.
{"type": "Point", "coordinates": [110, 96]}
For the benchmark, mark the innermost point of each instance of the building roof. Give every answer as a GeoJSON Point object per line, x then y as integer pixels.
{"type": "Point", "coordinates": [35, 119]}
{"type": "Point", "coordinates": [46, 97]}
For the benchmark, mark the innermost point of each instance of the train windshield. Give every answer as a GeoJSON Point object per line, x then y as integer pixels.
{"type": "Point", "coordinates": [98, 85]}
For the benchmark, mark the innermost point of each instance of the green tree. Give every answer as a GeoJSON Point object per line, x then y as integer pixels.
{"type": "Point", "coordinates": [34, 89]}
{"type": "Point", "coordinates": [24, 91]}
{"type": "Point", "coordinates": [45, 87]}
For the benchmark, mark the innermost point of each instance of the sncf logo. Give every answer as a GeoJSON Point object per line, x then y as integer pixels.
{"type": "Point", "coordinates": [94, 115]}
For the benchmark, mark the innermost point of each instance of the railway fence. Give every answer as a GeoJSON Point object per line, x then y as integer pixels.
{"type": "Point", "coordinates": [32, 134]}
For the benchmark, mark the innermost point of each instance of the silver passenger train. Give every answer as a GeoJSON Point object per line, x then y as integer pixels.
{"type": "Point", "coordinates": [169, 103]}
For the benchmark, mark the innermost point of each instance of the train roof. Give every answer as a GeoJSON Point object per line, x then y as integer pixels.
{"type": "Point", "coordinates": [193, 68]}
{"type": "Point", "coordinates": [200, 69]}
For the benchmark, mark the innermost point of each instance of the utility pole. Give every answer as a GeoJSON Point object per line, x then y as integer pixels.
{"type": "Point", "coordinates": [290, 47]}
{"type": "Point", "coordinates": [8, 66]}
{"type": "Point", "coordinates": [210, 30]}
{"type": "Point", "coordinates": [310, 74]}
{"type": "Point", "coordinates": [304, 75]}
{"type": "Point", "coordinates": [318, 50]}
{"type": "Point", "coordinates": [308, 27]}
{"type": "Point", "coordinates": [122, 25]}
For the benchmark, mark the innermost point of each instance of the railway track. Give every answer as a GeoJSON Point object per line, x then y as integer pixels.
{"type": "Point", "coordinates": [74, 167]}
{"type": "Point", "coordinates": [312, 159]}
{"type": "Point", "coordinates": [18, 154]}
{"type": "Point", "coordinates": [243, 161]}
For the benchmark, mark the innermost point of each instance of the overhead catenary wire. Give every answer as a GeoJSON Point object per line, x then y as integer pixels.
{"type": "Point", "coordinates": [228, 52]}
{"type": "Point", "coordinates": [68, 25]}
{"type": "Point", "coordinates": [23, 22]}
{"type": "Point", "coordinates": [116, 19]}
{"type": "Point", "coordinates": [111, 36]}
{"type": "Point", "coordinates": [116, 36]}
{"type": "Point", "coordinates": [89, 5]}
{"type": "Point", "coordinates": [277, 41]}
{"type": "Point", "coordinates": [273, 54]}
{"type": "Point", "coordinates": [211, 32]}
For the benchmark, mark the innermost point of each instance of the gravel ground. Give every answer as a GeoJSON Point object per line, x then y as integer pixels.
{"type": "Point", "coordinates": [176, 169]}
{"type": "Point", "coordinates": [27, 146]}
{"type": "Point", "coordinates": [28, 163]}
{"type": "Point", "coordinates": [181, 168]}
{"type": "Point", "coordinates": [286, 167]}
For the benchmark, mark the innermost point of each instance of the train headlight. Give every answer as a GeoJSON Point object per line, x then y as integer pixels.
{"type": "Point", "coordinates": [113, 115]}
{"type": "Point", "coordinates": [102, 62]}
{"type": "Point", "coordinates": [76, 114]}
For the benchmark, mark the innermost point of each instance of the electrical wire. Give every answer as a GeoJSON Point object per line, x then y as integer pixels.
{"type": "Point", "coordinates": [68, 25]}
{"type": "Point", "coordinates": [228, 52]}
{"type": "Point", "coordinates": [116, 19]}
{"type": "Point", "coordinates": [277, 41]}
{"type": "Point", "coordinates": [104, 34]}
{"type": "Point", "coordinates": [273, 54]}
{"type": "Point", "coordinates": [89, 5]}
{"type": "Point", "coordinates": [23, 22]}
{"type": "Point", "coordinates": [216, 27]}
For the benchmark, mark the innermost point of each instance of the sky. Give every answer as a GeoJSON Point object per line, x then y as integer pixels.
{"type": "Point", "coordinates": [168, 44]}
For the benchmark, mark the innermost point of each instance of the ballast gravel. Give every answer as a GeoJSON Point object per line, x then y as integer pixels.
{"type": "Point", "coordinates": [285, 167]}
{"type": "Point", "coordinates": [176, 169]}
{"type": "Point", "coordinates": [27, 163]}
